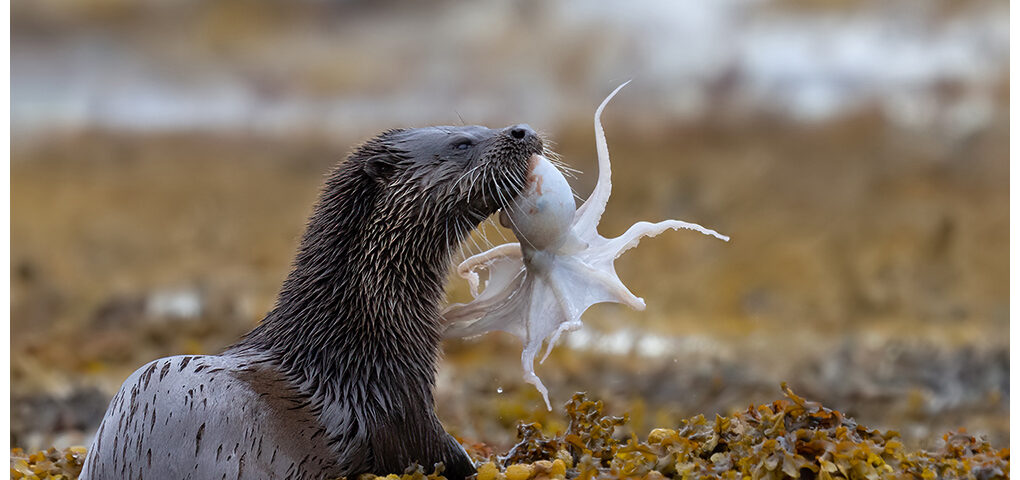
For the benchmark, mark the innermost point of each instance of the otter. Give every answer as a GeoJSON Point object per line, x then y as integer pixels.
{"type": "Point", "coordinates": [338, 378]}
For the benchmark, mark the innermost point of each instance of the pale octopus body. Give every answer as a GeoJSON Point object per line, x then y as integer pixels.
{"type": "Point", "coordinates": [538, 289]}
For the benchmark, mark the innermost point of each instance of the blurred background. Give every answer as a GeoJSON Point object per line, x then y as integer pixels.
{"type": "Point", "coordinates": [166, 154]}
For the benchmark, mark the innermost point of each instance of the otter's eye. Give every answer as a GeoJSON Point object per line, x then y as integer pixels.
{"type": "Point", "coordinates": [462, 144]}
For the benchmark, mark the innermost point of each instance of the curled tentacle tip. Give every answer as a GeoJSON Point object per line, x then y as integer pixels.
{"type": "Point", "coordinates": [533, 379]}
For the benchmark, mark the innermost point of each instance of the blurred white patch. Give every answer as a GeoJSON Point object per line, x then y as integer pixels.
{"type": "Point", "coordinates": [177, 304]}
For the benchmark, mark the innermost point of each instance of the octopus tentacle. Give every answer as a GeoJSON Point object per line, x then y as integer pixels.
{"type": "Point", "coordinates": [590, 212]}
{"type": "Point", "coordinates": [468, 268]}
{"type": "Point", "coordinates": [636, 232]}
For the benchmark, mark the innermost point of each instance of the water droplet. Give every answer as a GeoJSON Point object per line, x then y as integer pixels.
{"type": "Point", "coordinates": [499, 390]}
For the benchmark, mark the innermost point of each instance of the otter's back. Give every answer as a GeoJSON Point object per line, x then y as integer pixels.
{"type": "Point", "coordinates": [202, 417]}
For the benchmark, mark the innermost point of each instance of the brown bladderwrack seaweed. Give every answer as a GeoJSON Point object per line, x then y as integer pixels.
{"type": "Point", "coordinates": [789, 438]}
{"type": "Point", "coordinates": [589, 433]}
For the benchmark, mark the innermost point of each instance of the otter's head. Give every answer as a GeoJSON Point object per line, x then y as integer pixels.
{"type": "Point", "coordinates": [461, 173]}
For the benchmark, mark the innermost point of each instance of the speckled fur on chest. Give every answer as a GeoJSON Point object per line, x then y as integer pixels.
{"type": "Point", "coordinates": [209, 417]}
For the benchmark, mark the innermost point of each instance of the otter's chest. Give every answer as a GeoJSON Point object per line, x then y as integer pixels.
{"type": "Point", "coordinates": [209, 416]}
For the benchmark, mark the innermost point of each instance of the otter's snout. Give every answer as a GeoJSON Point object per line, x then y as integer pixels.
{"type": "Point", "coordinates": [523, 134]}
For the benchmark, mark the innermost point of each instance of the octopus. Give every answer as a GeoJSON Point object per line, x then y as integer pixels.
{"type": "Point", "coordinates": [538, 288]}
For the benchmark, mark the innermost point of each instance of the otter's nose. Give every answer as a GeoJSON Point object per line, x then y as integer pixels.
{"type": "Point", "coordinates": [524, 134]}
{"type": "Point", "coordinates": [521, 131]}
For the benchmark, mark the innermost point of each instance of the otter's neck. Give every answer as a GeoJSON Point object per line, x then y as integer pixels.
{"type": "Point", "coordinates": [357, 320]}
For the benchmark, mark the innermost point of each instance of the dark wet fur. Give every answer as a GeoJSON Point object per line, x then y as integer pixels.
{"type": "Point", "coordinates": [356, 326]}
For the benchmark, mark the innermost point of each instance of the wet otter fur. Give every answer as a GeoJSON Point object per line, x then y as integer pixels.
{"type": "Point", "coordinates": [338, 378]}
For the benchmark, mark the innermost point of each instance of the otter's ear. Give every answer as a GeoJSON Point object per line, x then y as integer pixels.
{"type": "Point", "coordinates": [379, 158]}
{"type": "Point", "coordinates": [380, 167]}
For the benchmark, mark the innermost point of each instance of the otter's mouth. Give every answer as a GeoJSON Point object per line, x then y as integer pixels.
{"type": "Point", "coordinates": [508, 163]}
{"type": "Point", "coordinates": [533, 185]}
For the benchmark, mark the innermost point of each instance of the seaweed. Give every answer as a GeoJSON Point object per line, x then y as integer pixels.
{"type": "Point", "coordinates": [589, 433]}
{"type": "Point", "coordinates": [51, 464]}
{"type": "Point", "coordinates": [790, 438]}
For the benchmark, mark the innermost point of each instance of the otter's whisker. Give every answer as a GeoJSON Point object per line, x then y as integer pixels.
{"type": "Point", "coordinates": [510, 217]}
{"type": "Point", "coordinates": [476, 167]}
{"type": "Point", "coordinates": [499, 230]}
{"type": "Point", "coordinates": [463, 255]}
{"type": "Point", "coordinates": [466, 174]}
{"type": "Point", "coordinates": [470, 235]}
{"type": "Point", "coordinates": [554, 159]}
{"type": "Point", "coordinates": [485, 193]}
{"type": "Point", "coordinates": [477, 177]}
{"type": "Point", "coordinates": [485, 236]}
